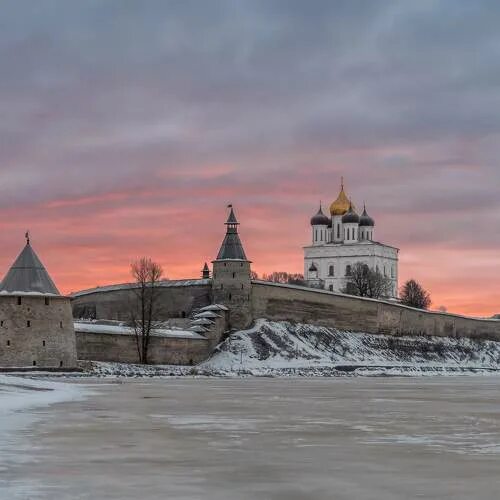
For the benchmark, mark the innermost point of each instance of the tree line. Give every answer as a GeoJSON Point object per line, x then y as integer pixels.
{"type": "Point", "coordinates": [363, 281]}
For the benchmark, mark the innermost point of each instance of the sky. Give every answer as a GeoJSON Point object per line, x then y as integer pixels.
{"type": "Point", "coordinates": [127, 127]}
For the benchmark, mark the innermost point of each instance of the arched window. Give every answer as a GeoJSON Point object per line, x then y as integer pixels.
{"type": "Point", "coordinates": [338, 231]}
{"type": "Point", "coordinates": [331, 271]}
{"type": "Point", "coordinates": [348, 270]}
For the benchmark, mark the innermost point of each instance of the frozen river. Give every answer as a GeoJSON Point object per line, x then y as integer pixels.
{"type": "Point", "coordinates": [257, 438]}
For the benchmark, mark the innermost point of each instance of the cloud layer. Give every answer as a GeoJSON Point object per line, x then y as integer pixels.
{"type": "Point", "coordinates": [127, 126]}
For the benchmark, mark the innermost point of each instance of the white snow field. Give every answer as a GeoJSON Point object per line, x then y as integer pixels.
{"type": "Point", "coordinates": [282, 348]}
{"type": "Point", "coordinates": [260, 438]}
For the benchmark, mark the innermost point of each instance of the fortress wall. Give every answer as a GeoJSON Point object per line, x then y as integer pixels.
{"type": "Point", "coordinates": [123, 349]}
{"type": "Point", "coordinates": [115, 304]}
{"type": "Point", "coordinates": [292, 303]}
{"type": "Point", "coordinates": [307, 305]}
{"type": "Point", "coordinates": [22, 345]}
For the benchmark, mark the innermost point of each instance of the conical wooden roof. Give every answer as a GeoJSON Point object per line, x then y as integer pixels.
{"type": "Point", "coordinates": [28, 274]}
{"type": "Point", "coordinates": [231, 247]}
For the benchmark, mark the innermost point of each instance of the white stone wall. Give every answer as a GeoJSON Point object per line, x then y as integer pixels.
{"type": "Point", "coordinates": [375, 255]}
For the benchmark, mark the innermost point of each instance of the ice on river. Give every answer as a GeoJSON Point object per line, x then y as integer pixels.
{"type": "Point", "coordinates": [261, 438]}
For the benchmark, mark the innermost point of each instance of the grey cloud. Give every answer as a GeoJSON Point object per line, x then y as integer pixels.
{"type": "Point", "coordinates": [397, 96]}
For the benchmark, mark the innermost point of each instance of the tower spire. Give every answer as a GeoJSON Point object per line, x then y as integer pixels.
{"type": "Point", "coordinates": [231, 247]}
{"type": "Point", "coordinates": [231, 222]}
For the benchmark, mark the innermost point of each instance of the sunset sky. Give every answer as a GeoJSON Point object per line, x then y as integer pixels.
{"type": "Point", "coordinates": [126, 128]}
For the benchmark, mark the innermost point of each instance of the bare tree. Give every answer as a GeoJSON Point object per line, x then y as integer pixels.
{"type": "Point", "coordinates": [144, 311]}
{"type": "Point", "coordinates": [284, 277]}
{"type": "Point", "coordinates": [413, 294]}
{"type": "Point", "coordinates": [366, 282]}
{"type": "Point", "coordinates": [254, 275]}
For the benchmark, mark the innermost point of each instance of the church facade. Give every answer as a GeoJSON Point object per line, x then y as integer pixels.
{"type": "Point", "coordinates": [342, 239]}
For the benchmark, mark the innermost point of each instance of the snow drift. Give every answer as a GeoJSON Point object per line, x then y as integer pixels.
{"type": "Point", "coordinates": [293, 348]}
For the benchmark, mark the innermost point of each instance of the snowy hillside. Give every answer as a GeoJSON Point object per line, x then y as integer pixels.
{"type": "Point", "coordinates": [286, 348]}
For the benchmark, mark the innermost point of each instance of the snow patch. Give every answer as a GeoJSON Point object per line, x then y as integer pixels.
{"type": "Point", "coordinates": [120, 329]}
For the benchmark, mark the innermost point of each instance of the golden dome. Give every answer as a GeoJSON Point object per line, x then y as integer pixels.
{"type": "Point", "coordinates": [341, 205]}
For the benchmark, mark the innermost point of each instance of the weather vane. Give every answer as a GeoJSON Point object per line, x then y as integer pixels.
{"type": "Point", "coordinates": [27, 236]}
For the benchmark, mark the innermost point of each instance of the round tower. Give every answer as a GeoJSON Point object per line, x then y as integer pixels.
{"type": "Point", "coordinates": [231, 281]}
{"type": "Point", "coordinates": [36, 322]}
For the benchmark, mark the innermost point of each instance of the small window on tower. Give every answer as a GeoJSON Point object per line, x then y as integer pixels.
{"type": "Point", "coordinates": [234, 275]}
{"type": "Point", "coordinates": [28, 323]}
{"type": "Point", "coordinates": [19, 301]}
{"type": "Point", "coordinates": [8, 343]}
{"type": "Point", "coordinates": [43, 343]}
{"type": "Point", "coordinates": [47, 301]}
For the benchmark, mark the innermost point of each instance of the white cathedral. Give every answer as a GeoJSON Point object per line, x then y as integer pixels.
{"type": "Point", "coordinates": [342, 240]}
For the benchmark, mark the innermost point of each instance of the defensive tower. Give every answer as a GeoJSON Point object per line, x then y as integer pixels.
{"type": "Point", "coordinates": [231, 282]}
{"type": "Point", "coordinates": [36, 323]}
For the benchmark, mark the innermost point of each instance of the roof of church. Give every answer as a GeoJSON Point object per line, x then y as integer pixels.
{"type": "Point", "coordinates": [231, 248]}
{"type": "Point", "coordinates": [320, 219]}
{"type": "Point", "coordinates": [341, 205]}
{"type": "Point", "coordinates": [351, 216]}
{"type": "Point", "coordinates": [28, 275]}
{"type": "Point", "coordinates": [365, 219]}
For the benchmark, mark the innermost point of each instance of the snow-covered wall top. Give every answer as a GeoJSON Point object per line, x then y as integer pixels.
{"type": "Point", "coordinates": [91, 327]}
{"type": "Point", "coordinates": [126, 286]}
